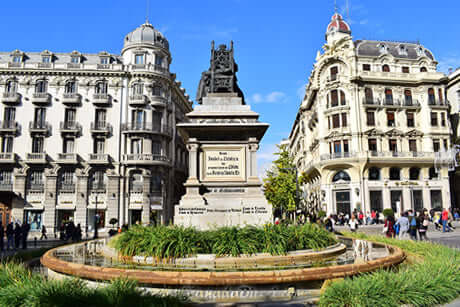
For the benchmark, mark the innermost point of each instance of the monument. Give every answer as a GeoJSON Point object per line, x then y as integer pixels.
{"type": "Point", "coordinates": [222, 137]}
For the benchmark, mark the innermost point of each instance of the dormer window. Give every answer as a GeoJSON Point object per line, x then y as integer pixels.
{"type": "Point", "coordinates": [17, 59]}
{"type": "Point", "coordinates": [420, 51]}
{"type": "Point", "coordinates": [423, 69]}
{"type": "Point", "coordinates": [386, 68]}
{"type": "Point", "coordinates": [402, 50]}
{"type": "Point", "coordinates": [405, 69]}
{"type": "Point", "coordinates": [139, 59]}
{"type": "Point", "coordinates": [46, 59]}
{"type": "Point", "coordinates": [104, 60]}
{"type": "Point", "coordinates": [383, 48]}
{"type": "Point", "coordinates": [75, 60]}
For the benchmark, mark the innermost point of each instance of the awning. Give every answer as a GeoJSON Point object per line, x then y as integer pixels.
{"type": "Point", "coordinates": [34, 208]}
{"type": "Point", "coordinates": [135, 206]}
{"type": "Point", "coordinates": [65, 207]}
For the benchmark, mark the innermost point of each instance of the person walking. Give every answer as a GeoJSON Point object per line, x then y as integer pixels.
{"type": "Point", "coordinates": [17, 236]}
{"type": "Point", "coordinates": [10, 236]}
{"type": "Point", "coordinates": [444, 219]}
{"type": "Point", "coordinates": [24, 234]}
{"type": "Point", "coordinates": [373, 215]}
{"type": "Point", "coordinates": [353, 223]}
{"type": "Point", "coordinates": [389, 226]}
{"type": "Point", "coordinates": [423, 227]}
{"type": "Point", "coordinates": [403, 223]}
{"type": "Point", "coordinates": [412, 225]}
{"type": "Point", "coordinates": [2, 234]}
{"type": "Point", "coordinates": [44, 233]}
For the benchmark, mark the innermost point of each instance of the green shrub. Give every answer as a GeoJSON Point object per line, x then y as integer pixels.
{"type": "Point", "coordinates": [432, 282]}
{"type": "Point", "coordinates": [178, 242]}
{"type": "Point", "coordinates": [388, 212]}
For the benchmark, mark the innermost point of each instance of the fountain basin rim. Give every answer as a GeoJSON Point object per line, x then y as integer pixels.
{"type": "Point", "coordinates": [221, 278]}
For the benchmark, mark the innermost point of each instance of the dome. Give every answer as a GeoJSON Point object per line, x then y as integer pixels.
{"type": "Point", "coordinates": [337, 24]}
{"type": "Point", "coordinates": [146, 34]}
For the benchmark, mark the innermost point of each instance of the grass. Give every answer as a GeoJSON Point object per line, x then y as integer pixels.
{"type": "Point", "coordinates": [178, 242]}
{"type": "Point", "coordinates": [21, 288]}
{"type": "Point", "coordinates": [435, 280]}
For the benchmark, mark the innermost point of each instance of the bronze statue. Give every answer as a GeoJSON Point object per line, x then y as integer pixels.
{"type": "Point", "coordinates": [221, 76]}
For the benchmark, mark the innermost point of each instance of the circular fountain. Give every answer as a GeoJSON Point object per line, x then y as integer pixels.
{"type": "Point", "coordinates": [207, 278]}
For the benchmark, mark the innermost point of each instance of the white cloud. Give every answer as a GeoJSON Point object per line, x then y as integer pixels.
{"type": "Point", "coordinates": [273, 97]}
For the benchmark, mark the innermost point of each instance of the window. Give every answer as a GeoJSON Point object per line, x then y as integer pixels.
{"type": "Point", "coordinates": [436, 145]}
{"type": "Point", "coordinates": [75, 60]}
{"type": "Point", "coordinates": [138, 88]}
{"type": "Point", "coordinates": [446, 144]}
{"type": "Point", "coordinates": [369, 95]}
{"type": "Point", "coordinates": [99, 146]}
{"type": "Point", "coordinates": [9, 115]}
{"type": "Point", "coordinates": [11, 87]}
{"type": "Point", "coordinates": [41, 86]}
{"type": "Point", "coordinates": [432, 173]}
{"type": "Point", "coordinates": [68, 145]}
{"type": "Point", "coordinates": [395, 173]}
{"type": "Point", "coordinates": [6, 177]}
{"type": "Point", "coordinates": [374, 173]}
{"type": "Point", "coordinates": [431, 98]}
{"type": "Point", "coordinates": [391, 119]}
{"type": "Point", "coordinates": [414, 173]}
{"type": "Point", "coordinates": [136, 146]}
{"type": "Point", "coordinates": [97, 180]}
{"type": "Point", "coordinates": [341, 176]}
{"type": "Point", "coordinates": [7, 144]}
{"type": "Point", "coordinates": [386, 68]}
{"type": "Point", "coordinates": [337, 146]}
{"type": "Point", "coordinates": [334, 71]}
{"type": "Point", "coordinates": [46, 59]}
{"type": "Point", "coordinates": [393, 145]}
{"type": "Point", "coordinates": [370, 118]}
{"type": "Point", "coordinates": [138, 118]}
{"type": "Point", "coordinates": [159, 60]}
{"type": "Point", "coordinates": [156, 148]}
{"type": "Point", "coordinates": [436, 199]}
{"type": "Point", "coordinates": [372, 145]}
{"type": "Point", "coordinates": [17, 59]}
{"type": "Point", "coordinates": [434, 119]}
{"type": "Point", "coordinates": [35, 180]}
{"type": "Point", "coordinates": [40, 118]}
{"type": "Point", "coordinates": [423, 69]}
{"type": "Point", "coordinates": [155, 184]}
{"type": "Point", "coordinates": [104, 60]}
{"type": "Point", "coordinates": [70, 117]}
{"type": "Point", "coordinates": [139, 59]}
{"type": "Point", "coordinates": [413, 145]}
{"type": "Point", "coordinates": [440, 96]}
{"type": "Point", "coordinates": [101, 87]}
{"type": "Point", "coordinates": [329, 122]}
{"type": "Point", "coordinates": [410, 119]}
{"type": "Point", "coordinates": [367, 67]}
{"type": "Point", "coordinates": [407, 97]}
{"type": "Point", "coordinates": [342, 98]}
{"type": "Point", "coordinates": [34, 219]}
{"type": "Point", "coordinates": [100, 118]}
{"type": "Point", "coordinates": [344, 120]}
{"type": "Point", "coordinates": [405, 69]}
{"type": "Point", "coordinates": [443, 119]}
{"type": "Point", "coordinates": [346, 149]}
{"type": "Point", "coordinates": [158, 91]}
{"type": "Point", "coordinates": [156, 119]}
{"type": "Point", "coordinates": [335, 121]}
{"type": "Point", "coordinates": [136, 183]}
{"type": "Point", "coordinates": [67, 181]}
{"type": "Point", "coordinates": [334, 98]}
{"type": "Point", "coordinates": [388, 96]}
{"type": "Point", "coordinates": [70, 87]}
{"type": "Point", "coordinates": [37, 144]}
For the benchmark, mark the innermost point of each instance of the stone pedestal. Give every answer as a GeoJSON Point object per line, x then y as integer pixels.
{"type": "Point", "coordinates": [223, 188]}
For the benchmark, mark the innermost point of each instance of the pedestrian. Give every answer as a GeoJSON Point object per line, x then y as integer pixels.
{"type": "Point", "coordinates": [2, 234]}
{"type": "Point", "coordinates": [449, 221]}
{"type": "Point", "coordinates": [423, 228]}
{"type": "Point", "coordinates": [412, 225]}
{"type": "Point", "coordinates": [456, 215]}
{"type": "Point", "coordinates": [377, 217]}
{"type": "Point", "coordinates": [368, 218]}
{"type": "Point", "coordinates": [403, 223]}
{"type": "Point", "coordinates": [328, 224]}
{"type": "Point", "coordinates": [17, 235]}
{"type": "Point", "coordinates": [24, 234]}
{"type": "Point", "coordinates": [437, 221]}
{"type": "Point", "coordinates": [361, 218]}
{"type": "Point", "coordinates": [78, 233]}
{"type": "Point", "coordinates": [10, 236]}
{"type": "Point", "coordinates": [43, 233]}
{"type": "Point", "coordinates": [373, 215]}
{"type": "Point", "coordinates": [389, 226]}
{"type": "Point", "coordinates": [353, 223]}
{"type": "Point", "coordinates": [444, 220]}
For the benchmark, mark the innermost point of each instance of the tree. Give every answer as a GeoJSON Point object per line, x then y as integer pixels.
{"type": "Point", "coordinates": [280, 183]}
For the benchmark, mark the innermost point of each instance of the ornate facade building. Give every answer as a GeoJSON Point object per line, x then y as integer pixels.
{"type": "Point", "coordinates": [453, 95]}
{"type": "Point", "coordinates": [366, 133]}
{"type": "Point", "coordinates": [91, 136]}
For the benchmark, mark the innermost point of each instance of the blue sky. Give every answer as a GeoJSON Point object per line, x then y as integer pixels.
{"type": "Point", "coordinates": [275, 41]}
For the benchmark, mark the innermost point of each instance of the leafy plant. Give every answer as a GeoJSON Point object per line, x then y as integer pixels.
{"type": "Point", "coordinates": [388, 212]}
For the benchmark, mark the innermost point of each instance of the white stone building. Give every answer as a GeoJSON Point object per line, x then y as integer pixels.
{"type": "Point", "coordinates": [91, 134]}
{"type": "Point", "coordinates": [366, 133]}
{"type": "Point", "coordinates": [453, 95]}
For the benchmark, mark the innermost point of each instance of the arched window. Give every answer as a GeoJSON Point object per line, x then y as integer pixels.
{"type": "Point", "coordinates": [408, 97]}
{"type": "Point", "coordinates": [101, 87]}
{"type": "Point", "coordinates": [335, 98]}
{"type": "Point", "coordinates": [11, 87]}
{"type": "Point", "coordinates": [395, 173]}
{"type": "Point", "coordinates": [341, 176]}
{"type": "Point", "coordinates": [70, 87]}
{"type": "Point", "coordinates": [138, 89]}
{"type": "Point", "coordinates": [414, 173]}
{"type": "Point", "coordinates": [369, 95]}
{"type": "Point", "coordinates": [374, 173]}
{"type": "Point", "coordinates": [423, 69]}
{"type": "Point", "coordinates": [432, 173]}
{"type": "Point", "coordinates": [386, 68]}
{"type": "Point", "coordinates": [431, 97]}
{"type": "Point", "coordinates": [41, 86]}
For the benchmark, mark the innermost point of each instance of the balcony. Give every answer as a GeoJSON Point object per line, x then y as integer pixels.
{"type": "Point", "coordinates": [41, 98]}
{"type": "Point", "coordinates": [6, 186]}
{"type": "Point", "coordinates": [138, 100]}
{"type": "Point", "coordinates": [36, 158]}
{"type": "Point", "coordinates": [103, 66]}
{"type": "Point", "coordinates": [36, 187]}
{"type": "Point", "coordinates": [40, 127]}
{"type": "Point", "coordinates": [144, 127]}
{"type": "Point", "coordinates": [401, 154]}
{"type": "Point", "coordinates": [145, 159]}
{"type": "Point", "coordinates": [44, 65]}
{"type": "Point", "coordinates": [337, 155]}
{"type": "Point", "coordinates": [98, 158]}
{"type": "Point", "coordinates": [71, 99]}
{"type": "Point", "coordinates": [160, 68]}
{"type": "Point", "coordinates": [15, 65]}
{"type": "Point", "coordinates": [438, 103]}
{"type": "Point", "coordinates": [67, 187]}
{"type": "Point", "coordinates": [70, 127]}
{"type": "Point", "coordinates": [67, 158]}
{"type": "Point", "coordinates": [139, 67]}
{"type": "Point", "coordinates": [371, 101]}
{"type": "Point", "coordinates": [73, 66]}
{"type": "Point", "coordinates": [7, 157]}
{"type": "Point", "coordinates": [11, 98]}
{"type": "Point", "coordinates": [10, 127]}
{"type": "Point", "coordinates": [101, 127]}
{"type": "Point", "coordinates": [160, 101]}
{"type": "Point", "coordinates": [97, 187]}
{"type": "Point", "coordinates": [407, 103]}
{"type": "Point", "coordinates": [102, 99]}
{"type": "Point", "coordinates": [411, 103]}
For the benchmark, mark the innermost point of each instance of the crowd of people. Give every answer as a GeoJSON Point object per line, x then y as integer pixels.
{"type": "Point", "coordinates": [68, 231]}
{"type": "Point", "coordinates": [16, 236]}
